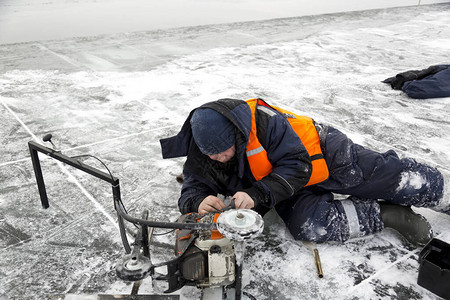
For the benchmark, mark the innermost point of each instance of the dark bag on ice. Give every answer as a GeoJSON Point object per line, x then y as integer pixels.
{"type": "Point", "coordinates": [434, 269]}
{"type": "Point", "coordinates": [433, 82]}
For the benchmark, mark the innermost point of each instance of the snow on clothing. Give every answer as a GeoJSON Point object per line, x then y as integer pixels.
{"type": "Point", "coordinates": [365, 175]}
{"type": "Point", "coordinates": [310, 213]}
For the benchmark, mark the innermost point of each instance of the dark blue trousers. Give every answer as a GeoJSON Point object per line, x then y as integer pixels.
{"type": "Point", "coordinates": [364, 176]}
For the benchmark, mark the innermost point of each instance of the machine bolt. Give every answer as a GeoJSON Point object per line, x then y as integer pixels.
{"type": "Point", "coordinates": [215, 249]}
{"type": "Point", "coordinates": [240, 218]}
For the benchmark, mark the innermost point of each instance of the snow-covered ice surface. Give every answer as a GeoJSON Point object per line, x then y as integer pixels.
{"type": "Point", "coordinates": [31, 20]}
{"type": "Point", "coordinates": [115, 96]}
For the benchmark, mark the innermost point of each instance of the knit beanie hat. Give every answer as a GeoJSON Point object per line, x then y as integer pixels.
{"type": "Point", "coordinates": [213, 133]}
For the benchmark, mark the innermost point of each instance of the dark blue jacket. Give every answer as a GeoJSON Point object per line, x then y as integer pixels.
{"type": "Point", "coordinates": [203, 176]}
{"type": "Point", "coordinates": [433, 82]}
{"type": "Point", "coordinates": [432, 86]}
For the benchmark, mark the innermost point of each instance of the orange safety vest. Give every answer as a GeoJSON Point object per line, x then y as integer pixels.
{"type": "Point", "coordinates": [306, 131]}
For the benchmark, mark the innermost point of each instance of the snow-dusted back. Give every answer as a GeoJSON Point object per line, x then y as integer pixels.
{"type": "Point", "coordinates": [114, 96]}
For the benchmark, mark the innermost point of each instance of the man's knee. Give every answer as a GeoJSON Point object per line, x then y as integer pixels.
{"type": "Point", "coordinates": [315, 216]}
{"type": "Point", "coordinates": [336, 220]}
{"type": "Point", "coordinates": [307, 215]}
{"type": "Point", "coordinates": [419, 185]}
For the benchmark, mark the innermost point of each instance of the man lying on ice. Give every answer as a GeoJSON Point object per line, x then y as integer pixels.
{"type": "Point", "coordinates": [265, 157]}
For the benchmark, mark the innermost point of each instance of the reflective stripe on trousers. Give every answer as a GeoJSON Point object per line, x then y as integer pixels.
{"type": "Point", "coordinates": [352, 218]}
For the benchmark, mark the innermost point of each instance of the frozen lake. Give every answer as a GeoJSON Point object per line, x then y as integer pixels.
{"type": "Point", "coordinates": [115, 95]}
{"type": "Point", "coordinates": [37, 20]}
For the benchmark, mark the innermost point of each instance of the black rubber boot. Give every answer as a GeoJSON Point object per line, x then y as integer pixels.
{"type": "Point", "coordinates": [414, 227]}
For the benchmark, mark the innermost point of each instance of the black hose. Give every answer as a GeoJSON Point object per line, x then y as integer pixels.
{"type": "Point", "coordinates": [123, 234]}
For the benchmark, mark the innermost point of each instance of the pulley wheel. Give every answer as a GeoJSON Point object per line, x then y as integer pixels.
{"type": "Point", "coordinates": [240, 224]}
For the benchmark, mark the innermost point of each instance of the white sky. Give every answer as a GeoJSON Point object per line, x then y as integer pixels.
{"type": "Point", "coordinates": [31, 20]}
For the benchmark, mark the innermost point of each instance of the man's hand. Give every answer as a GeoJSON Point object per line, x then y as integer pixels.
{"type": "Point", "coordinates": [210, 204]}
{"type": "Point", "coordinates": [243, 200]}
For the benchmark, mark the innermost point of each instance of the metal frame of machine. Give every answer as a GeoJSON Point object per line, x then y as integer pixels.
{"type": "Point", "coordinates": [136, 264]}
